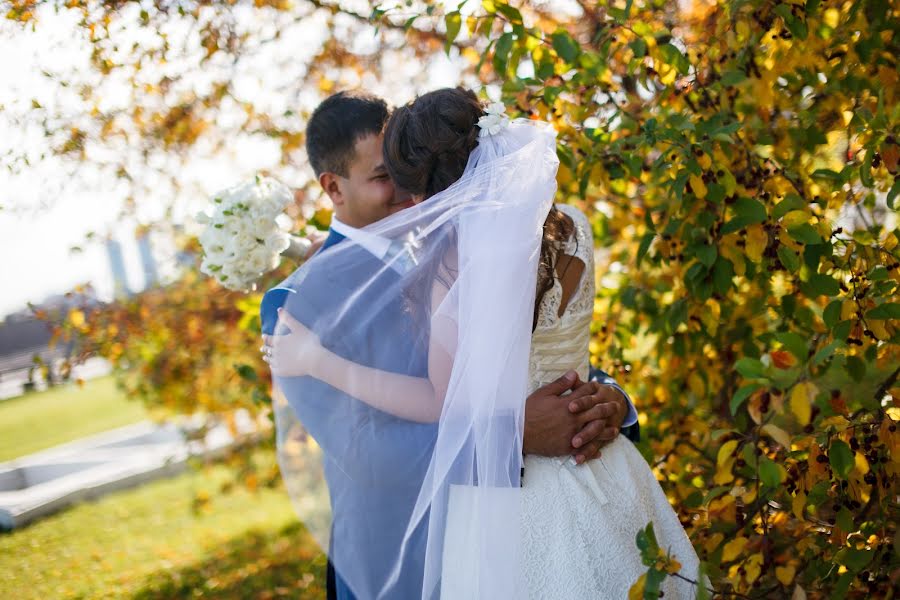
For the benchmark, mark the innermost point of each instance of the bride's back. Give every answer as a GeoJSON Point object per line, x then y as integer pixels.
{"type": "Point", "coordinates": [562, 334]}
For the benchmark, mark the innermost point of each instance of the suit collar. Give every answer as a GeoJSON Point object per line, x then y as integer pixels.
{"type": "Point", "coordinates": [333, 238]}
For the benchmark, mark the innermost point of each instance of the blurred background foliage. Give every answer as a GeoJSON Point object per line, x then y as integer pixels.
{"type": "Point", "coordinates": [739, 163]}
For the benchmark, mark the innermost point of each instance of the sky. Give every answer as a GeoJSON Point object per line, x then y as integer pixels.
{"type": "Point", "coordinates": [44, 213]}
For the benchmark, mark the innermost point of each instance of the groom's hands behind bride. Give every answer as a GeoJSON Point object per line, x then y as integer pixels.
{"type": "Point", "coordinates": [580, 423]}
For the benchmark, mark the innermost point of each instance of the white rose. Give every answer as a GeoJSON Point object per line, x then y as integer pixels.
{"type": "Point", "coordinates": [277, 242]}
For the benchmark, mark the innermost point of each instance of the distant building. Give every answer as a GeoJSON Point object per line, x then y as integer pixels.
{"type": "Point", "coordinates": [148, 262]}
{"type": "Point", "coordinates": [117, 265]}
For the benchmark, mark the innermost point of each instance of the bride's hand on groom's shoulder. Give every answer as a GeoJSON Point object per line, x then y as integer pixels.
{"type": "Point", "coordinates": [578, 424]}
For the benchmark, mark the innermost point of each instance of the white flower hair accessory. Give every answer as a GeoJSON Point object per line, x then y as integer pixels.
{"type": "Point", "coordinates": [494, 119]}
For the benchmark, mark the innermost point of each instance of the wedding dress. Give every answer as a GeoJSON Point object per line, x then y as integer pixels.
{"type": "Point", "coordinates": [580, 521]}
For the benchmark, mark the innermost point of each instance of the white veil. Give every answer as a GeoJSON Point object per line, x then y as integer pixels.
{"type": "Point", "coordinates": [416, 430]}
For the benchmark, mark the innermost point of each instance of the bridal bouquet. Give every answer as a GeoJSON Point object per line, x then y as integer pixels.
{"type": "Point", "coordinates": [247, 232]}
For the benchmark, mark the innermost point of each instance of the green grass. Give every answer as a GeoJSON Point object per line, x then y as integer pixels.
{"type": "Point", "coordinates": [40, 420]}
{"type": "Point", "coordinates": [165, 541]}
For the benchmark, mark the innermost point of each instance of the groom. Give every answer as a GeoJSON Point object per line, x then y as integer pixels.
{"type": "Point", "coordinates": [376, 486]}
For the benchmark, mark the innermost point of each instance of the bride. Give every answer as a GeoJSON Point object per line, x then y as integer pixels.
{"type": "Point", "coordinates": [495, 287]}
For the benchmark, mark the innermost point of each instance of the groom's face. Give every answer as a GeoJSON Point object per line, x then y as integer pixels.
{"type": "Point", "coordinates": [366, 194]}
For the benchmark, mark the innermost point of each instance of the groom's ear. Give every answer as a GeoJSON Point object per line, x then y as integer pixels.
{"type": "Point", "coordinates": [332, 186]}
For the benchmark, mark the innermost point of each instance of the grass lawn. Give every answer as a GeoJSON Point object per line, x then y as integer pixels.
{"type": "Point", "coordinates": [43, 419]}
{"type": "Point", "coordinates": [158, 542]}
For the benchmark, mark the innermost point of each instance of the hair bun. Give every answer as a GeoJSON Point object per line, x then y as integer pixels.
{"type": "Point", "coordinates": [427, 142]}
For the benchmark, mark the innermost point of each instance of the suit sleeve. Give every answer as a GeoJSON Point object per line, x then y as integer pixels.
{"type": "Point", "coordinates": [630, 426]}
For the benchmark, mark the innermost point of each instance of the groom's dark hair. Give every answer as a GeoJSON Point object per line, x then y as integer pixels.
{"type": "Point", "coordinates": [337, 124]}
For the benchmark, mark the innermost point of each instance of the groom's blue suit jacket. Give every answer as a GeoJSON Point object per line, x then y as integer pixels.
{"type": "Point", "coordinates": [374, 462]}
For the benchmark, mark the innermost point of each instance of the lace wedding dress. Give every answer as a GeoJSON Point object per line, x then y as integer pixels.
{"type": "Point", "coordinates": [580, 521]}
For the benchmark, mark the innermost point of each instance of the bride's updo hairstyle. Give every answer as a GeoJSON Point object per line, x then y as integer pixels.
{"type": "Point", "coordinates": [427, 142]}
{"type": "Point", "coordinates": [426, 148]}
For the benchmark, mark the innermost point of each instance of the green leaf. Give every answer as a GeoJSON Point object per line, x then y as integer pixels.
{"type": "Point", "coordinates": [567, 48]}
{"type": "Point", "coordinates": [842, 330]}
{"type": "Point", "coordinates": [888, 310]}
{"type": "Point", "coordinates": [742, 394]}
{"type": "Point", "coordinates": [841, 458]}
{"type": "Point", "coordinates": [856, 559]}
{"type": "Point", "coordinates": [825, 352]}
{"type": "Point", "coordinates": [832, 313]}
{"type": "Point", "coordinates": [865, 169]}
{"type": "Point", "coordinates": [790, 202]}
{"type": "Point", "coordinates": [639, 47]}
{"type": "Point", "coordinates": [678, 313]}
{"type": "Point", "coordinates": [501, 52]}
{"type": "Point", "coordinates": [805, 234]}
{"type": "Point", "coordinates": [715, 193]}
{"type": "Point", "coordinates": [821, 285]}
{"type": "Point", "coordinates": [828, 174]}
{"type": "Point", "coordinates": [723, 273]}
{"type": "Point", "coordinates": [795, 344]}
{"type": "Point", "coordinates": [789, 258]}
{"type": "Point", "coordinates": [855, 367]}
{"type": "Point", "coordinates": [509, 12]}
{"type": "Point", "coordinates": [646, 240]}
{"type": "Point", "coordinates": [893, 193]}
{"type": "Point", "coordinates": [750, 368]}
{"type": "Point", "coordinates": [673, 56]}
{"type": "Point", "coordinates": [647, 544]}
{"type": "Point", "coordinates": [246, 372]}
{"type": "Point", "coordinates": [747, 211]}
{"type": "Point", "coordinates": [453, 21]}
{"type": "Point", "coordinates": [769, 473]}
{"type": "Point", "coordinates": [844, 520]}
{"type": "Point", "coordinates": [715, 493]}
{"type": "Point", "coordinates": [706, 254]}
{"type": "Point", "coordinates": [732, 78]}
{"type": "Point", "coordinates": [879, 273]}
{"type": "Point", "coordinates": [653, 583]}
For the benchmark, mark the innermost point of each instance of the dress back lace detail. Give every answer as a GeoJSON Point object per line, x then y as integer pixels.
{"type": "Point", "coordinates": [561, 343]}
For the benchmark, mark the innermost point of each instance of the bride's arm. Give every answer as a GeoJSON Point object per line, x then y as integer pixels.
{"type": "Point", "coordinates": [414, 398]}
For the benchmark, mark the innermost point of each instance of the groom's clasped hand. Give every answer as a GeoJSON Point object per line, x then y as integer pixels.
{"type": "Point", "coordinates": [569, 416]}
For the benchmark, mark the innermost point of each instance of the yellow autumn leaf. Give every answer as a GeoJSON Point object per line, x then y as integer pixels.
{"type": "Point", "coordinates": [795, 218]}
{"type": "Point", "coordinates": [838, 422]}
{"type": "Point", "coordinates": [733, 549]}
{"type": "Point", "coordinates": [798, 505]}
{"type": "Point", "coordinates": [698, 187]}
{"type": "Point", "coordinates": [76, 318]}
{"type": "Point", "coordinates": [785, 574]}
{"type": "Point", "coordinates": [696, 384]}
{"type": "Point", "coordinates": [848, 309]}
{"type": "Point", "coordinates": [777, 434]}
{"type": "Point", "coordinates": [711, 316]}
{"type": "Point", "coordinates": [326, 85]}
{"type": "Point", "coordinates": [800, 402]}
{"type": "Point", "coordinates": [636, 592]}
{"type": "Point", "coordinates": [753, 567]}
{"type": "Point", "coordinates": [725, 452]}
{"type": "Point", "coordinates": [725, 463]}
{"type": "Point", "coordinates": [704, 161]}
{"type": "Point", "coordinates": [673, 566]}
{"type": "Point", "coordinates": [757, 240]}
{"type": "Point", "coordinates": [713, 542]}
{"type": "Point", "coordinates": [564, 176]}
